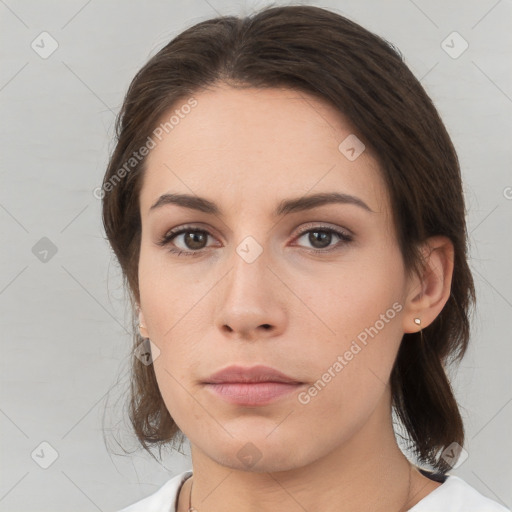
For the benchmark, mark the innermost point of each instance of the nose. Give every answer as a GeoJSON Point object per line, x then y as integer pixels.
{"type": "Point", "coordinates": [251, 301]}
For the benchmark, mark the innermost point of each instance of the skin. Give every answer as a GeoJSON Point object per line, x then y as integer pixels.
{"type": "Point", "coordinates": [246, 150]}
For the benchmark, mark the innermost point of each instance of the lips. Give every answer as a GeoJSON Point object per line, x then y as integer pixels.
{"type": "Point", "coordinates": [258, 373]}
{"type": "Point", "coordinates": [251, 387]}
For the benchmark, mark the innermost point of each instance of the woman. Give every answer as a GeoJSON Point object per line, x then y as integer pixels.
{"type": "Point", "coordinates": [287, 209]}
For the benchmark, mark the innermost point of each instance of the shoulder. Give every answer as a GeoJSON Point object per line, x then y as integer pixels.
{"type": "Point", "coordinates": [456, 495]}
{"type": "Point", "coordinates": [164, 499]}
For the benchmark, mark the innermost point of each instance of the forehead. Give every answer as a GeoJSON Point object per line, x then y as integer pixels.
{"type": "Point", "coordinates": [257, 144]}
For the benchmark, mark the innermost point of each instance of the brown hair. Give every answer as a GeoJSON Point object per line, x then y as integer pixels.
{"type": "Point", "coordinates": [365, 78]}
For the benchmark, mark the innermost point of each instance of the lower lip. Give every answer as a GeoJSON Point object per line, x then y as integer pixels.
{"type": "Point", "coordinates": [252, 393]}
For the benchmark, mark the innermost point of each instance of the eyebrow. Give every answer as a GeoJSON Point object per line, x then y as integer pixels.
{"type": "Point", "coordinates": [285, 207]}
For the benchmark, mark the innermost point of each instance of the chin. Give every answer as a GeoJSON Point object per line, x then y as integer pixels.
{"type": "Point", "coordinates": [258, 453]}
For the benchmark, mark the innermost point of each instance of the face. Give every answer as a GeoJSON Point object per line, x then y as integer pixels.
{"type": "Point", "coordinates": [313, 289]}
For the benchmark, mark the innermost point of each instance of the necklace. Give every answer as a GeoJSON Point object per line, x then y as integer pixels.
{"type": "Point", "coordinates": [402, 509]}
{"type": "Point", "coordinates": [190, 507]}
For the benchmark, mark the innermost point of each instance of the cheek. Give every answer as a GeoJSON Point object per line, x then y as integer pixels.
{"type": "Point", "coordinates": [355, 302]}
{"type": "Point", "coordinates": [176, 399]}
{"type": "Point", "coordinates": [351, 345]}
{"type": "Point", "coordinates": [174, 314]}
{"type": "Point", "coordinates": [170, 298]}
{"type": "Point", "coordinates": [351, 383]}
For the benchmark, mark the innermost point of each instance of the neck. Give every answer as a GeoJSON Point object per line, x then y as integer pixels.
{"type": "Point", "coordinates": [367, 473]}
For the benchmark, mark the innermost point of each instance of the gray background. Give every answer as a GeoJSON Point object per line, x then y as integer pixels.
{"type": "Point", "coordinates": [64, 332]}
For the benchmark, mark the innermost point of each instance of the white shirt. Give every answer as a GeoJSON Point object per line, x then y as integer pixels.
{"type": "Point", "coordinates": [454, 495]}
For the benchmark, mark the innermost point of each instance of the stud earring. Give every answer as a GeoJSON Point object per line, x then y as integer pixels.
{"type": "Point", "coordinates": [140, 314]}
{"type": "Point", "coordinates": [417, 321]}
{"type": "Point", "coordinates": [140, 333]}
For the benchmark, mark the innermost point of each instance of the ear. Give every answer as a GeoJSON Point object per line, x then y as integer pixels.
{"type": "Point", "coordinates": [427, 296]}
{"type": "Point", "coordinates": [142, 324]}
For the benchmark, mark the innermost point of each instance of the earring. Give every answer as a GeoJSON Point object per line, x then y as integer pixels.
{"type": "Point", "coordinates": [417, 321]}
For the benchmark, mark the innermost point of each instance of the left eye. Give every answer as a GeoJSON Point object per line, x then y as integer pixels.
{"type": "Point", "coordinates": [321, 237]}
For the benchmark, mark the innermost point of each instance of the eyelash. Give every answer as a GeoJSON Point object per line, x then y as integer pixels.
{"type": "Point", "coordinates": [173, 233]}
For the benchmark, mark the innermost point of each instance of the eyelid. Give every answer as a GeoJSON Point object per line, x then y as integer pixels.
{"type": "Point", "coordinates": [304, 228]}
{"type": "Point", "coordinates": [179, 230]}
{"type": "Point", "coordinates": [325, 225]}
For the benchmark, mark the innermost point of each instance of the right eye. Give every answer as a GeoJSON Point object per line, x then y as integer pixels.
{"type": "Point", "coordinates": [193, 241]}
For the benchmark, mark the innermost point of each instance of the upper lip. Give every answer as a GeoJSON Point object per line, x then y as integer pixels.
{"type": "Point", "coordinates": [259, 373]}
